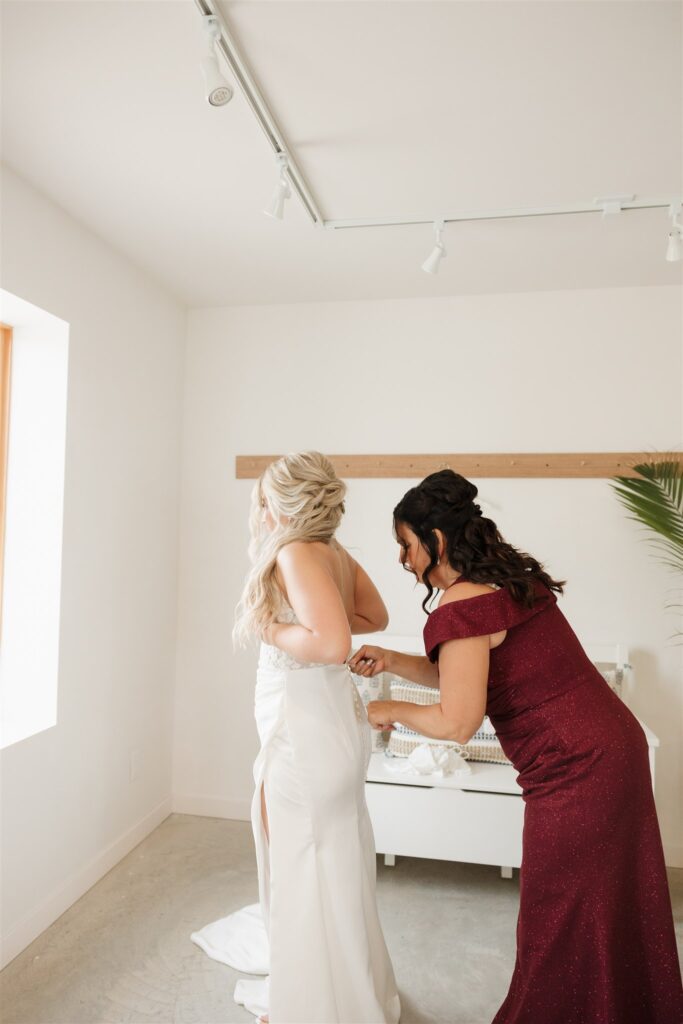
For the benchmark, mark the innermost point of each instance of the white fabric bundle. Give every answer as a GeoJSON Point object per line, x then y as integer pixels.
{"type": "Point", "coordinates": [430, 759]}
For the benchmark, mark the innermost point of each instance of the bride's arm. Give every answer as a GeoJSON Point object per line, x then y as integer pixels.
{"type": "Point", "coordinates": [370, 614]}
{"type": "Point", "coordinates": [323, 632]}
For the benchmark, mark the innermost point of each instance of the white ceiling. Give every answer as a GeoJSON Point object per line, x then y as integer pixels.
{"type": "Point", "coordinates": [392, 108]}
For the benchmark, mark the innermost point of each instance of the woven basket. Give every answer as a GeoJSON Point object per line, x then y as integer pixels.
{"type": "Point", "coordinates": [402, 742]}
{"type": "Point", "coordinates": [486, 733]}
{"type": "Point", "coordinates": [414, 693]}
{"type": "Point", "coordinates": [478, 750]}
{"type": "Point", "coordinates": [483, 746]}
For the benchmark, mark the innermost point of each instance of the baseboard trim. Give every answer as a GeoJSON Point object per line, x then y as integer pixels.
{"type": "Point", "coordinates": [240, 810]}
{"type": "Point", "coordinates": [77, 884]}
{"type": "Point", "coordinates": [23, 933]}
{"type": "Point", "coordinates": [211, 807]}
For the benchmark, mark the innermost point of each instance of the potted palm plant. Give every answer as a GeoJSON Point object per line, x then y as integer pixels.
{"type": "Point", "coordinates": [654, 498]}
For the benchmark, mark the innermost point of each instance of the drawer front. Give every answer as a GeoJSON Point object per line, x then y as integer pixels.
{"type": "Point", "coordinates": [446, 824]}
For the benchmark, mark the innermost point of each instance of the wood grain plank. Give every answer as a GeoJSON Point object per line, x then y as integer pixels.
{"type": "Point", "coordinates": [526, 465]}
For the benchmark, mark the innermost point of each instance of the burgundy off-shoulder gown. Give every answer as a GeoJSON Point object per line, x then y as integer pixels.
{"type": "Point", "coordinates": [595, 935]}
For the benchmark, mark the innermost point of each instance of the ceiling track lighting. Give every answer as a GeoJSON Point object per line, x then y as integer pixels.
{"type": "Point", "coordinates": [597, 206]}
{"type": "Point", "coordinates": [291, 180]}
{"type": "Point", "coordinates": [216, 88]}
{"type": "Point", "coordinates": [226, 45]}
{"type": "Point", "coordinates": [433, 261]}
{"type": "Point", "coordinates": [612, 205]}
{"type": "Point", "coordinates": [607, 205]}
{"type": "Point", "coordinates": [276, 206]}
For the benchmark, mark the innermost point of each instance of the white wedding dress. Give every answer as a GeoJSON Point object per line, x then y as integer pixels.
{"type": "Point", "coordinates": [316, 931]}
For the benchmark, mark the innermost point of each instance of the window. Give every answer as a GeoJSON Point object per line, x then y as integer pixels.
{"type": "Point", "coordinates": [33, 412]}
{"type": "Point", "coordinates": [5, 365]}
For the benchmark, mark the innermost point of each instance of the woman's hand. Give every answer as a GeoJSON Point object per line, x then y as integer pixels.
{"type": "Point", "coordinates": [380, 714]}
{"type": "Point", "coordinates": [370, 661]}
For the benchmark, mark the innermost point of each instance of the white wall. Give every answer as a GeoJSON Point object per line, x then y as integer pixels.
{"type": "Point", "coordinates": [69, 809]}
{"type": "Point", "coordinates": [558, 371]}
{"type": "Point", "coordinates": [566, 371]}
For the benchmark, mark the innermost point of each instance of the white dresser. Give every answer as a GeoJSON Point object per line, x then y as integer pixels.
{"type": "Point", "coordinates": [476, 818]}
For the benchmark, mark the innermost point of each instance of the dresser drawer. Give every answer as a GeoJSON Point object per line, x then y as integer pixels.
{"type": "Point", "coordinates": [446, 824]}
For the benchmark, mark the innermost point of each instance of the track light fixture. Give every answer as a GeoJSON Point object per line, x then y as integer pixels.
{"type": "Point", "coordinates": [276, 206]}
{"type": "Point", "coordinates": [219, 92]}
{"type": "Point", "coordinates": [612, 205]}
{"type": "Point", "coordinates": [431, 264]}
{"type": "Point", "coordinates": [675, 243]}
{"type": "Point", "coordinates": [217, 89]}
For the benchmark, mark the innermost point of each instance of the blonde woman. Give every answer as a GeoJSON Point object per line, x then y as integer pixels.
{"type": "Point", "coordinates": [304, 597]}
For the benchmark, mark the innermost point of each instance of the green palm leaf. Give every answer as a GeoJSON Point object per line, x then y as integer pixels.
{"type": "Point", "coordinates": [654, 499]}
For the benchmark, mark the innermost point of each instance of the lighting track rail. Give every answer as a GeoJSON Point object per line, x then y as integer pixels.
{"type": "Point", "coordinates": [247, 83]}
{"type": "Point", "coordinates": [290, 171]}
{"type": "Point", "coordinates": [598, 206]}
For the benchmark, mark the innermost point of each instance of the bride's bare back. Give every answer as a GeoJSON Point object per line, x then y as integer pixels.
{"type": "Point", "coordinates": [323, 581]}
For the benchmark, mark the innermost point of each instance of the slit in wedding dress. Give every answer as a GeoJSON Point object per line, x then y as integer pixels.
{"type": "Point", "coordinates": [264, 1019]}
{"type": "Point", "coordinates": [264, 812]}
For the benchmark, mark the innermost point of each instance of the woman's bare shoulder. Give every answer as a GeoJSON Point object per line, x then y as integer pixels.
{"type": "Point", "coordinates": [299, 550]}
{"type": "Point", "coordinates": [302, 553]}
{"type": "Point", "coordinates": [345, 555]}
{"type": "Point", "coordinates": [461, 591]}
{"type": "Point", "coordinates": [301, 560]}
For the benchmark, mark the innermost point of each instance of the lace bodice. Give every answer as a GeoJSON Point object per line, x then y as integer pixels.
{"type": "Point", "coordinates": [272, 657]}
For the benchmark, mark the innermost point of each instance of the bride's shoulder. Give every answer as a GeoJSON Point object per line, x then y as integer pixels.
{"type": "Point", "coordinates": [342, 556]}
{"type": "Point", "coordinates": [307, 559]}
{"type": "Point", "coordinates": [296, 552]}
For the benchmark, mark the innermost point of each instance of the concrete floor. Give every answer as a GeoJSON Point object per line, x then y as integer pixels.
{"type": "Point", "coordinates": [122, 954]}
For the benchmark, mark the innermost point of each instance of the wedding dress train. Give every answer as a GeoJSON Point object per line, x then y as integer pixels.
{"type": "Point", "coordinates": [317, 930]}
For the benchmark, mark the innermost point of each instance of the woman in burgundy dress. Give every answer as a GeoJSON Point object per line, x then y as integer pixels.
{"type": "Point", "coordinates": [595, 935]}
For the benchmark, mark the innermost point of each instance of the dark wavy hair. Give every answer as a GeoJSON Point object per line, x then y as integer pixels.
{"type": "Point", "coordinates": [473, 544]}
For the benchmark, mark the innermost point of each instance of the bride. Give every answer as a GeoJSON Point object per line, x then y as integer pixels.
{"type": "Point", "coordinates": [317, 928]}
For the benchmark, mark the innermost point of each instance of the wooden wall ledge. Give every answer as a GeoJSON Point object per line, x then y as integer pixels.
{"type": "Point", "coordinates": [554, 465]}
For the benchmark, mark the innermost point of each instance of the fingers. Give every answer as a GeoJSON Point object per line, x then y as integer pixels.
{"type": "Point", "coordinates": [378, 716]}
{"type": "Point", "coordinates": [367, 667]}
{"type": "Point", "coordinates": [368, 661]}
{"type": "Point", "coordinates": [360, 655]}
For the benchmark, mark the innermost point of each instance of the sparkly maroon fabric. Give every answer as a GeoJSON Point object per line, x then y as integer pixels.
{"type": "Point", "coordinates": [595, 935]}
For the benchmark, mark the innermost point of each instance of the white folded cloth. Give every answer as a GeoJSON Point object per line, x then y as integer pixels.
{"type": "Point", "coordinates": [430, 759]}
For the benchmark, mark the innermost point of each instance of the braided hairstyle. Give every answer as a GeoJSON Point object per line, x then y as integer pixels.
{"type": "Point", "coordinates": [473, 545]}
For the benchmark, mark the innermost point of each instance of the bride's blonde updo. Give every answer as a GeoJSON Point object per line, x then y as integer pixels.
{"type": "Point", "coordinates": [305, 499]}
